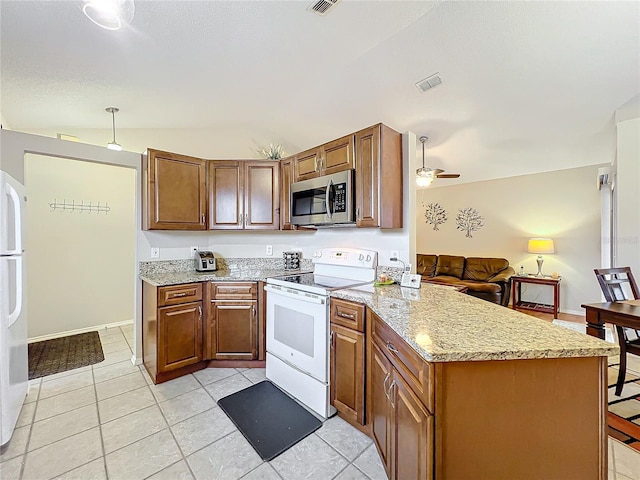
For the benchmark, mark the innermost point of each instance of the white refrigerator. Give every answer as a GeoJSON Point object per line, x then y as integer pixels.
{"type": "Point", "coordinates": [14, 369]}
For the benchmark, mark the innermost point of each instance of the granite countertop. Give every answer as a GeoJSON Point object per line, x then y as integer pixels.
{"type": "Point", "coordinates": [161, 279]}
{"type": "Point", "coordinates": [443, 325]}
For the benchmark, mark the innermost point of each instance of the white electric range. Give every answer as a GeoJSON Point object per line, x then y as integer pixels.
{"type": "Point", "coordinates": [298, 322]}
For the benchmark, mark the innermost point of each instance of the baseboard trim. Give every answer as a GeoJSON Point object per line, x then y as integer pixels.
{"type": "Point", "coordinates": [79, 330]}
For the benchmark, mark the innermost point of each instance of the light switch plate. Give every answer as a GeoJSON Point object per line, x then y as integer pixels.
{"type": "Point", "coordinates": [155, 252]}
{"type": "Point", "coordinates": [410, 280]}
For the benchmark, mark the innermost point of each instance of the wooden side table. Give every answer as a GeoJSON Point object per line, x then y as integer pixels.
{"type": "Point", "coordinates": [517, 302]}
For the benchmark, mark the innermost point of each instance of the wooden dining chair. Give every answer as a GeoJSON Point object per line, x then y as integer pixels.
{"type": "Point", "coordinates": [617, 285]}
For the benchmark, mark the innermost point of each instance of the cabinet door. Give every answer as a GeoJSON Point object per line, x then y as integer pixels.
{"type": "Point", "coordinates": [337, 156]}
{"type": "Point", "coordinates": [261, 195]}
{"type": "Point", "coordinates": [286, 177]}
{"type": "Point", "coordinates": [367, 190]}
{"type": "Point", "coordinates": [179, 336]}
{"type": "Point", "coordinates": [380, 414]}
{"type": "Point", "coordinates": [379, 177]}
{"type": "Point", "coordinates": [226, 199]}
{"type": "Point", "coordinates": [412, 452]}
{"type": "Point", "coordinates": [307, 165]}
{"type": "Point", "coordinates": [175, 192]}
{"type": "Point", "coordinates": [347, 372]}
{"type": "Point", "coordinates": [235, 331]}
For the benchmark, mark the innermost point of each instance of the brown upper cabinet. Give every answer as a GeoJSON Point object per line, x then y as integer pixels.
{"type": "Point", "coordinates": [286, 177]}
{"type": "Point", "coordinates": [378, 162]}
{"type": "Point", "coordinates": [332, 157]}
{"type": "Point", "coordinates": [175, 191]}
{"type": "Point", "coordinates": [244, 194]}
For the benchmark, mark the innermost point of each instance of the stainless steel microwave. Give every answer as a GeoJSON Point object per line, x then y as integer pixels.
{"type": "Point", "coordinates": [324, 201]}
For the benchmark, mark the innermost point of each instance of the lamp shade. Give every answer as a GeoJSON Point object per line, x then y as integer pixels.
{"type": "Point", "coordinates": [540, 245]}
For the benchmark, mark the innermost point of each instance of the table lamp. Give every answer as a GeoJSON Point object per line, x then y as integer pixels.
{"type": "Point", "coordinates": [539, 246]}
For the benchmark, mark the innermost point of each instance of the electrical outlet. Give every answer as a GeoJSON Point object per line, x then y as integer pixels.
{"type": "Point", "coordinates": [194, 250]}
{"type": "Point", "coordinates": [407, 268]}
{"type": "Point", "coordinates": [269, 250]}
{"type": "Point", "coordinates": [155, 252]}
{"type": "Point", "coordinates": [395, 253]}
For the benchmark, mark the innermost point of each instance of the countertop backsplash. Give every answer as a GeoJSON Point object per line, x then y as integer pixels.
{"type": "Point", "coordinates": [186, 265]}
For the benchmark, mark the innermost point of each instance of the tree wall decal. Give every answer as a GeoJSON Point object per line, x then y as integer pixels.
{"type": "Point", "coordinates": [469, 220]}
{"type": "Point", "coordinates": [435, 215]}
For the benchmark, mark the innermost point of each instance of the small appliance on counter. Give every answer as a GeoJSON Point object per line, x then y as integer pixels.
{"type": "Point", "coordinates": [205, 262]}
{"type": "Point", "coordinates": [291, 260]}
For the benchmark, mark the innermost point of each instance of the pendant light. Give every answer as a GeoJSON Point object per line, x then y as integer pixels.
{"type": "Point", "coordinates": [109, 14]}
{"type": "Point", "coordinates": [113, 145]}
{"type": "Point", "coordinates": [424, 176]}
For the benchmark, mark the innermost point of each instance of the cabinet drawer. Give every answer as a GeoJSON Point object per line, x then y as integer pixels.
{"type": "Point", "coordinates": [176, 294]}
{"type": "Point", "coordinates": [348, 314]}
{"type": "Point", "coordinates": [234, 291]}
{"type": "Point", "coordinates": [418, 373]}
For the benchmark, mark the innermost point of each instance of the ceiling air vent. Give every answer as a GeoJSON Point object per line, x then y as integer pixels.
{"type": "Point", "coordinates": [429, 82]}
{"type": "Point", "coordinates": [321, 7]}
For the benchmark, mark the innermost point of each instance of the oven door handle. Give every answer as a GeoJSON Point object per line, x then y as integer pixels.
{"type": "Point", "coordinates": [302, 296]}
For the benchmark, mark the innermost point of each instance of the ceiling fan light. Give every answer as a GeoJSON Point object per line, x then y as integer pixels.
{"type": "Point", "coordinates": [424, 177]}
{"type": "Point", "coordinates": [109, 14]}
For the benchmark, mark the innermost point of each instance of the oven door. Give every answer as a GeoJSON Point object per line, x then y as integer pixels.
{"type": "Point", "coordinates": [298, 330]}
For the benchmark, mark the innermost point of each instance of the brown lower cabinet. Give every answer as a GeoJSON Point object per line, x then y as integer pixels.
{"type": "Point", "coordinates": [401, 426]}
{"type": "Point", "coordinates": [495, 419]}
{"type": "Point", "coordinates": [172, 330]}
{"type": "Point", "coordinates": [192, 326]}
{"type": "Point", "coordinates": [233, 324]}
{"type": "Point", "coordinates": [347, 365]}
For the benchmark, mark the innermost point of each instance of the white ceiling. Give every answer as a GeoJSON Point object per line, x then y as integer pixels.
{"type": "Point", "coordinates": [528, 86]}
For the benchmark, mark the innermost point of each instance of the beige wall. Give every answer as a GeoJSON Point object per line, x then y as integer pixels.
{"type": "Point", "coordinates": [79, 265]}
{"type": "Point", "coordinates": [563, 205]}
{"type": "Point", "coordinates": [627, 192]}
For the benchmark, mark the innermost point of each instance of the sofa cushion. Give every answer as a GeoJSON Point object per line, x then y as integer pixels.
{"type": "Point", "coordinates": [477, 286]}
{"type": "Point", "coordinates": [426, 265]}
{"type": "Point", "coordinates": [444, 279]}
{"type": "Point", "coordinates": [482, 269]}
{"type": "Point", "coordinates": [450, 265]}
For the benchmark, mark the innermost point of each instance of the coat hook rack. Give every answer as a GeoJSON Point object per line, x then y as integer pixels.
{"type": "Point", "coordinates": [80, 207]}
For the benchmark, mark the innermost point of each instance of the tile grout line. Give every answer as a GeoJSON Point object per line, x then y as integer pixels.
{"type": "Point", "coordinates": [349, 462]}
{"type": "Point", "coordinates": [184, 458]}
{"type": "Point", "coordinates": [26, 447]}
{"type": "Point", "coordinates": [104, 454]}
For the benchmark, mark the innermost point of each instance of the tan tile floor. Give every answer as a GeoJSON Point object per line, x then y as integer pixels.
{"type": "Point", "coordinates": [108, 421]}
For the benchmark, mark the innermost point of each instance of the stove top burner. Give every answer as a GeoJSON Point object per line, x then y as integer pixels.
{"type": "Point", "coordinates": [313, 281]}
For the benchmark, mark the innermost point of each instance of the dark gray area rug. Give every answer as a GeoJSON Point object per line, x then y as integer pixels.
{"type": "Point", "coordinates": [64, 353]}
{"type": "Point", "coordinates": [269, 419]}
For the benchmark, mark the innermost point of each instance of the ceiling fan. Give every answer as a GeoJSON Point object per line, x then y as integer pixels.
{"type": "Point", "coordinates": [425, 175]}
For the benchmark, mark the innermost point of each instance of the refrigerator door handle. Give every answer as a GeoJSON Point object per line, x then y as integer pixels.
{"type": "Point", "coordinates": [17, 215]}
{"type": "Point", "coordinates": [13, 316]}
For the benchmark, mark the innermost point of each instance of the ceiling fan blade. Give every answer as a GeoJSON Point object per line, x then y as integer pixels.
{"type": "Point", "coordinates": [448, 175]}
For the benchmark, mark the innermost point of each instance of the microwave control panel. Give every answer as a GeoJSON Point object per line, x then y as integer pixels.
{"type": "Point", "coordinates": [340, 200]}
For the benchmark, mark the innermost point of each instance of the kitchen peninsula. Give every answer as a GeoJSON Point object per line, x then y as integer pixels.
{"type": "Point", "coordinates": [449, 386]}
{"type": "Point", "coordinates": [461, 388]}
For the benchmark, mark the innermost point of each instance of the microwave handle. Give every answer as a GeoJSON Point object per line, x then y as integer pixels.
{"type": "Point", "coordinates": [326, 198]}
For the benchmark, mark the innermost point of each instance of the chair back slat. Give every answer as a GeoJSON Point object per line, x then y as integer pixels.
{"type": "Point", "coordinates": [613, 281]}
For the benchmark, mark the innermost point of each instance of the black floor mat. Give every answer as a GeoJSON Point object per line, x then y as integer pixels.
{"type": "Point", "coordinates": [268, 418]}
